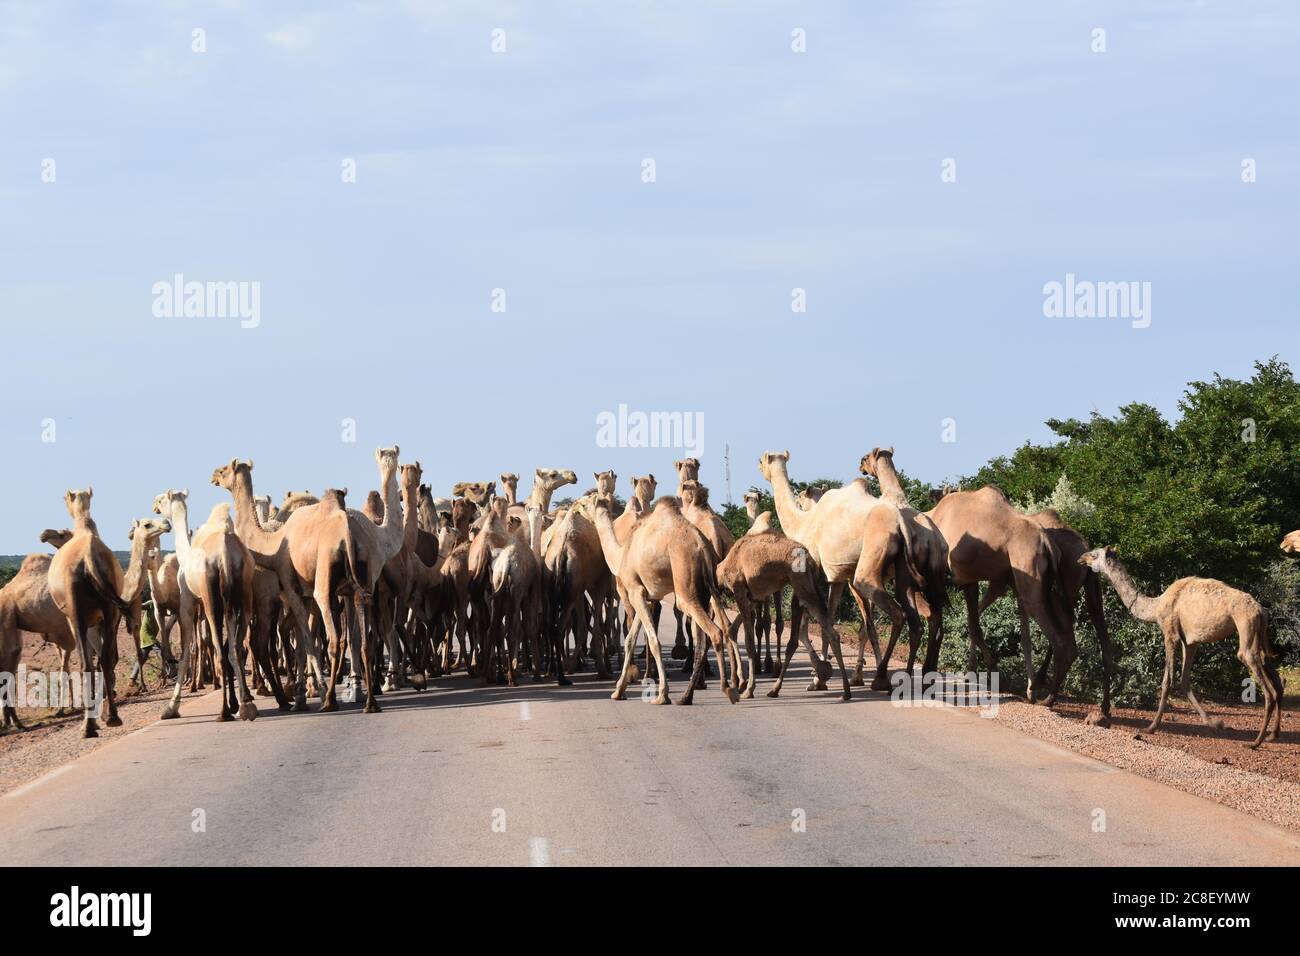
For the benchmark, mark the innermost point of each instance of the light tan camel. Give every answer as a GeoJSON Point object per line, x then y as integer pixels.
{"type": "Point", "coordinates": [477, 492]}
{"type": "Point", "coordinates": [857, 540]}
{"type": "Point", "coordinates": [546, 481]}
{"type": "Point", "coordinates": [216, 576]}
{"type": "Point", "coordinates": [643, 489]}
{"type": "Point", "coordinates": [809, 497]}
{"type": "Point", "coordinates": [85, 583]}
{"type": "Point", "coordinates": [1191, 613]}
{"type": "Point", "coordinates": [666, 554]}
{"type": "Point", "coordinates": [510, 487]}
{"type": "Point", "coordinates": [510, 578]}
{"type": "Point", "coordinates": [757, 569]}
{"type": "Point", "coordinates": [312, 552]}
{"type": "Point", "coordinates": [26, 604]}
{"type": "Point", "coordinates": [989, 540]}
{"type": "Point", "coordinates": [927, 549]}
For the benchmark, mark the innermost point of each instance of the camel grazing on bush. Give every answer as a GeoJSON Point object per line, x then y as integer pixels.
{"type": "Point", "coordinates": [1191, 613]}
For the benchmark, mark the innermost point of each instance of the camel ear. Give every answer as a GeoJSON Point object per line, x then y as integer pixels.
{"type": "Point", "coordinates": [186, 493]}
{"type": "Point", "coordinates": [891, 451]}
{"type": "Point", "coordinates": [652, 479]}
{"type": "Point", "coordinates": [130, 535]}
{"type": "Point", "coordinates": [90, 491]}
{"type": "Point", "coordinates": [677, 465]}
{"type": "Point", "coordinates": [233, 463]}
{"type": "Point", "coordinates": [250, 464]}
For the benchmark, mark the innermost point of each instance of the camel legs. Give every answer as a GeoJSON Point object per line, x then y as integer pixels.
{"type": "Point", "coordinates": [636, 598]}
{"type": "Point", "coordinates": [1255, 663]}
{"type": "Point", "coordinates": [189, 646]}
{"type": "Point", "coordinates": [1190, 652]}
{"type": "Point", "coordinates": [333, 639]}
{"type": "Point", "coordinates": [1171, 645]}
{"type": "Point", "coordinates": [700, 617]}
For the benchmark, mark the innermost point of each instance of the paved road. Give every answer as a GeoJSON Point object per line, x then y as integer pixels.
{"type": "Point", "coordinates": [538, 775]}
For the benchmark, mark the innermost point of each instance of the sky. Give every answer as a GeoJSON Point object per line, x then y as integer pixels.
{"type": "Point", "coordinates": [504, 146]}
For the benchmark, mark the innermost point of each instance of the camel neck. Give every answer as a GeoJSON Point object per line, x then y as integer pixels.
{"type": "Point", "coordinates": [181, 530]}
{"type": "Point", "coordinates": [410, 518]}
{"type": "Point", "coordinates": [1139, 605]}
{"type": "Point", "coordinates": [133, 582]}
{"type": "Point", "coordinates": [787, 509]}
{"type": "Point", "coordinates": [249, 529]}
{"type": "Point", "coordinates": [540, 497]}
{"type": "Point", "coordinates": [890, 486]}
{"type": "Point", "coordinates": [609, 545]}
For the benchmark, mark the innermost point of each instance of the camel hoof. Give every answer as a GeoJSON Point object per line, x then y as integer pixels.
{"type": "Point", "coordinates": [1030, 696]}
{"type": "Point", "coordinates": [1097, 719]}
{"type": "Point", "coordinates": [817, 685]}
{"type": "Point", "coordinates": [225, 715]}
{"type": "Point", "coordinates": [773, 692]}
{"type": "Point", "coordinates": [618, 695]}
{"type": "Point", "coordinates": [679, 652]}
{"type": "Point", "coordinates": [1254, 746]}
{"type": "Point", "coordinates": [248, 711]}
{"type": "Point", "coordinates": [113, 721]}
{"type": "Point", "coordinates": [747, 694]}
{"type": "Point", "coordinates": [1217, 724]}
{"type": "Point", "coordinates": [563, 681]}
{"type": "Point", "coordinates": [1049, 701]}
{"type": "Point", "coordinates": [371, 708]}
{"type": "Point", "coordinates": [731, 694]}
{"type": "Point", "coordinates": [170, 712]}
{"type": "Point", "coordinates": [857, 681]}
{"type": "Point", "coordinates": [665, 701]}
{"type": "Point", "coordinates": [419, 682]}
{"type": "Point", "coordinates": [684, 702]}
{"type": "Point", "coordinates": [89, 731]}
{"type": "Point", "coordinates": [1151, 729]}
{"type": "Point", "coordinates": [880, 683]}
{"type": "Point", "coordinates": [328, 706]}
{"type": "Point", "coordinates": [847, 695]}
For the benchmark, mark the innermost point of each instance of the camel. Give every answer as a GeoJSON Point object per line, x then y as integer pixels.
{"type": "Point", "coordinates": [809, 497]}
{"type": "Point", "coordinates": [757, 569]}
{"type": "Point", "coordinates": [85, 583]}
{"type": "Point", "coordinates": [928, 551]}
{"type": "Point", "coordinates": [26, 604]}
{"type": "Point", "coordinates": [1191, 613]}
{"type": "Point", "coordinates": [666, 554]}
{"type": "Point", "coordinates": [643, 489]}
{"type": "Point", "coordinates": [688, 469]}
{"type": "Point", "coordinates": [765, 610]}
{"type": "Point", "coordinates": [857, 540]}
{"type": "Point", "coordinates": [508, 578]}
{"type": "Point", "coordinates": [216, 576]}
{"type": "Point", "coordinates": [546, 481]}
{"type": "Point", "coordinates": [476, 492]}
{"type": "Point", "coordinates": [989, 540]}
{"type": "Point", "coordinates": [373, 547]}
{"type": "Point", "coordinates": [575, 566]}
{"type": "Point", "coordinates": [510, 485]}
{"type": "Point", "coordinates": [312, 550]}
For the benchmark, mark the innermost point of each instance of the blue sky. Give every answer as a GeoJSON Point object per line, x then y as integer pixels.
{"type": "Point", "coordinates": [522, 170]}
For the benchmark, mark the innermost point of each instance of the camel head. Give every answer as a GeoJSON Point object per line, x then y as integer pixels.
{"type": "Point", "coordinates": [606, 482]}
{"type": "Point", "coordinates": [810, 496]}
{"type": "Point", "coordinates": [509, 481]}
{"type": "Point", "coordinates": [1290, 544]}
{"type": "Point", "coordinates": [690, 492]}
{"type": "Point", "coordinates": [476, 492]}
{"type": "Point", "coordinates": [386, 458]}
{"type": "Point", "coordinates": [643, 486]}
{"type": "Point", "coordinates": [151, 528]}
{"type": "Point", "coordinates": [1097, 559]}
{"type": "Point", "coordinates": [687, 469]}
{"type": "Point", "coordinates": [552, 478]}
{"type": "Point", "coordinates": [769, 460]}
{"type": "Point", "coordinates": [752, 501]}
{"type": "Point", "coordinates": [57, 537]}
{"type": "Point", "coordinates": [166, 503]}
{"type": "Point", "coordinates": [225, 475]}
{"type": "Point", "coordinates": [78, 502]}
{"type": "Point", "coordinates": [633, 505]}
{"type": "Point", "coordinates": [336, 497]}
{"type": "Point", "coordinates": [293, 500]}
{"type": "Point", "coordinates": [411, 475]}
{"type": "Point", "coordinates": [374, 507]}
{"type": "Point", "coordinates": [498, 507]}
{"type": "Point", "coordinates": [872, 458]}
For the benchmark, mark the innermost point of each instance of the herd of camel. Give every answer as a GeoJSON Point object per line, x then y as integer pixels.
{"type": "Point", "coordinates": [516, 585]}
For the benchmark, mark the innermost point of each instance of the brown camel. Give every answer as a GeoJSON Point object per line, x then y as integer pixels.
{"type": "Point", "coordinates": [989, 540]}
{"type": "Point", "coordinates": [85, 583]}
{"type": "Point", "coordinates": [510, 486]}
{"type": "Point", "coordinates": [765, 611]}
{"type": "Point", "coordinates": [216, 576]}
{"type": "Point", "coordinates": [1191, 613]}
{"type": "Point", "coordinates": [666, 554]}
{"type": "Point", "coordinates": [575, 566]}
{"type": "Point", "coordinates": [757, 569]}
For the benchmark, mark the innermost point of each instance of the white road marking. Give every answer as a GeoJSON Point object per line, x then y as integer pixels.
{"type": "Point", "coordinates": [29, 787]}
{"type": "Point", "coordinates": [539, 851]}
{"type": "Point", "coordinates": [525, 712]}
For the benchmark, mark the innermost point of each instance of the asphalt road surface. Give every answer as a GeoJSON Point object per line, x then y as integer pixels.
{"type": "Point", "coordinates": [540, 775]}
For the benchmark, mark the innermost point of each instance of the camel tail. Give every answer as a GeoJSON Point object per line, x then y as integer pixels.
{"type": "Point", "coordinates": [103, 587]}
{"type": "Point", "coordinates": [350, 557]}
{"type": "Point", "coordinates": [1054, 586]}
{"type": "Point", "coordinates": [908, 565]}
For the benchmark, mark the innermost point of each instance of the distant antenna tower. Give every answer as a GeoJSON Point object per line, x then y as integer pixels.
{"type": "Point", "coordinates": [726, 459]}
